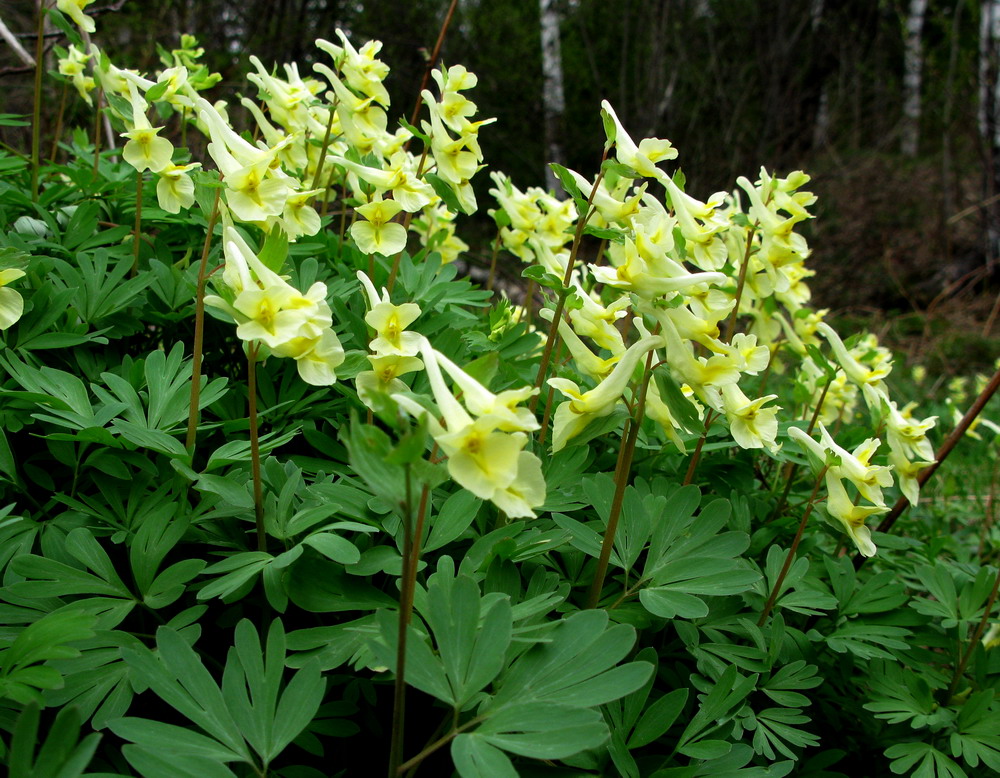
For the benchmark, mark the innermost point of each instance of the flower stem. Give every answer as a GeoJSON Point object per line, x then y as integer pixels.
{"type": "Point", "coordinates": [199, 329]}
{"type": "Point", "coordinates": [776, 589]}
{"type": "Point", "coordinates": [405, 596]}
{"type": "Point", "coordinates": [430, 66]}
{"type": "Point", "coordinates": [696, 456]}
{"type": "Point", "coordinates": [258, 490]}
{"type": "Point", "coordinates": [543, 366]}
{"type": "Point", "coordinates": [97, 130]}
{"type": "Point", "coordinates": [36, 123]}
{"type": "Point", "coordinates": [622, 471]}
{"type": "Point", "coordinates": [138, 223]}
{"type": "Point", "coordinates": [326, 143]}
{"type": "Point", "coordinates": [493, 263]}
{"type": "Point", "coordinates": [790, 467]}
{"type": "Point", "coordinates": [740, 283]}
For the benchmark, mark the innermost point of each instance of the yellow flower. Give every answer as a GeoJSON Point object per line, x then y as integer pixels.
{"type": "Point", "coordinates": [751, 425]}
{"type": "Point", "coordinates": [144, 150]}
{"type": "Point", "coordinates": [316, 358]}
{"type": "Point", "coordinates": [74, 10]}
{"type": "Point", "coordinates": [390, 322]}
{"type": "Point", "coordinates": [641, 158]}
{"type": "Point", "coordinates": [175, 189]}
{"type": "Point", "coordinates": [583, 407]}
{"type": "Point", "coordinates": [482, 458]}
{"type": "Point", "coordinates": [383, 379]}
{"type": "Point", "coordinates": [379, 234]}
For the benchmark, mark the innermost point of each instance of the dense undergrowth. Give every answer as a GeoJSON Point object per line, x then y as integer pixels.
{"type": "Point", "coordinates": [256, 428]}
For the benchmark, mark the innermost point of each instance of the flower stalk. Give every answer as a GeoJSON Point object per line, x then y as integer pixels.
{"type": "Point", "coordinates": [623, 470]}
{"type": "Point", "coordinates": [258, 490]}
{"type": "Point", "coordinates": [199, 329]}
{"type": "Point", "coordinates": [405, 610]}
{"type": "Point", "coordinates": [776, 589]}
{"type": "Point", "coordinates": [550, 340]}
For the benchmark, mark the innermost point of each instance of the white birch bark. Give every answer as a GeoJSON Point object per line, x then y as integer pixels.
{"type": "Point", "coordinates": [989, 84]}
{"type": "Point", "coordinates": [13, 42]}
{"type": "Point", "coordinates": [989, 113]}
{"type": "Point", "coordinates": [553, 99]}
{"type": "Point", "coordinates": [913, 66]}
{"type": "Point", "coordinates": [821, 129]}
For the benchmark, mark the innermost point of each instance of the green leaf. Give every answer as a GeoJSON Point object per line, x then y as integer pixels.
{"type": "Point", "coordinates": [476, 758]}
{"type": "Point", "coordinates": [239, 569]}
{"type": "Point", "coordinates": [453, 518]}
{"type": "Point", "coordinates": [179, 678]}
{"type": "Point", "coordinates": [46, 639]}
{"type": "Point", "coordinates": [681, 408]}
{"type": "Point", "coordinates": [567, 181]}
{"type": "Point", "coordinates": [62, 754]}
{"type": "Point", "coordinates": [274, 252]}
{"type": "Point", "coordinates": [544, 730]}
{"type": "Point", "coordinates": [157, 736]}
{"type": "Point", "coordinates": [658, 718]}
{"type": "Point", "coordinates": [334, 547]}
{"type": "Point", "coordinates": [443, 190]}
{"type": "Point", "coordinates": [472, 644]}
{"type": "Point", "coordinates": [574, 667]}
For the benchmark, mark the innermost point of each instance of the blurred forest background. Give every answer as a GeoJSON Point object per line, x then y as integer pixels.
{"type": "Point", "coordinates": [893, 106]}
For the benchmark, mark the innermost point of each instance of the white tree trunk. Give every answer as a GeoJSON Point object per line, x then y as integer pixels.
{"type": "Point", "coordinates": [821, 129]}
{"type": "Point", "coordinates": [553, 99]}
{"type": "Point", "coordinates": [13, 42]}
{"type": "Point", "coordinates": [989, 84]}
{"type": "Point", "coordinates": [912, 75]}
{"type": "Point", "coordinates": [989, 115]}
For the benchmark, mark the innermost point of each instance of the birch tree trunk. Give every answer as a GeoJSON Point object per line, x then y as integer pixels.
{"type": "Point", "coordinates": [912, 75]}
{"type": "Point", "coordinates": [989, 118]}
{"type": "Point", "coordinates": [553, 99]}
{"type": "Point", "coordinates": [821, 129]}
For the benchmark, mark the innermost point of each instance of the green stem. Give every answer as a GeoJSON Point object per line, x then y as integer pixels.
{"type": "Point", "coordinates": [791, 551]}
{"type": "Point", "coordinates": [97, 130]}
{"type": "Point", "coordinates": [138, 223]}
{"type": "Point", "coordinates": [36, 123]}
{"type": "Point", "coordinates": [790, 467]}
{"type": "Point", "coordinates": [409, 764]}
{"type": "Point", "coordinates": [405, 595]}
{"type": "Point", "coordinates": [696, 456]}
{"type": "Point", "coordinates": [258, 489]}
{"type": "Point", "coordinates": [731, 328]}
{"type": "Point", "coordinates": [199, 329]}
{"type": "Point", "coordinates": [547, 414]}
{"type": "Point", "coordinates": [406, 227]}
{"type": "Point", "coordinates": [326, 143]}
{"type": "Point", "coordinates": [581, 225]}
{"type": "Point", "coordinates": [622, 471]}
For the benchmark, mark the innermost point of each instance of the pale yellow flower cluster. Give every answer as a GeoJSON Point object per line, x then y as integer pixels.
{"type": "Point", "coordinates": [73, 65]}
{"type": "Point", "coordinates": [394, 350]}
{"type": "Point", "coordinates": [483, 436]}
{"type": "Point", "coordinates": [538, 224]}
{"type": "Point", "coordinates": [270, 311]}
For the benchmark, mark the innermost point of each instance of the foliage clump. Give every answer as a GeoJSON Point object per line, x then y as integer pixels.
{"type": "Point", "coordinates": [575, 529]}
